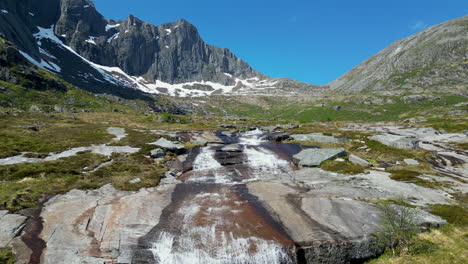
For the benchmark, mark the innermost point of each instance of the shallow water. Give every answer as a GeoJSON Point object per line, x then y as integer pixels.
{"type": "Point", "coordinates": [213, 219]}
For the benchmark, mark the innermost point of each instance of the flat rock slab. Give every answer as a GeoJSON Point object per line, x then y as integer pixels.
{"type": "Point", "coordinates": [314, 157]}
{"type": "Point", "coordinates": [400, 142]}
{"type": "Point", "coordinates": [99, 225]}
{"type": "Point", "coordinates": [358, 161]}
{"type": "Point", "coordinates": [232, 148]}
{"type": "Point", "coordinates": [10, 226]}
{"type": "Point", "coordinates": [322, 213]}
{"type": "Point", "coordinates": [411, 162]}
{"type": "Point", "coordinates": [330, 230]}
{"type": "Point", "coordinates": [169, 145]}
{"type": "Point", "coordinates": [318, 137]}
{"type": "Point", "coordinates": [118, 132]}
{"type": "Point", "coordinates": [208, 137]}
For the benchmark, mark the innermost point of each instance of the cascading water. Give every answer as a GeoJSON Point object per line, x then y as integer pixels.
{"type": "Point", "coordinates": [213, 218]}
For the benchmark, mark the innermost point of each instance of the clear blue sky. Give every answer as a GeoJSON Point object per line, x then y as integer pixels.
{"type": "Point", "coordinates": [314, 41]}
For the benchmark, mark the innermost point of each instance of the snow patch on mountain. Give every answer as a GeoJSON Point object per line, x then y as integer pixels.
{"type": "Point", "coordinates": [42, 64]}
{"type": "Point", "coordinates": [109, 27]}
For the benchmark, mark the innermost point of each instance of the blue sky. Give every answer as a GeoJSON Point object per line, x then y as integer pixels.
{"type": "Point", "coordinates": [314, 41]}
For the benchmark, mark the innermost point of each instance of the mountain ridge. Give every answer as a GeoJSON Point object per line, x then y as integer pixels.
{"type": "Point", "coordinates": [435, 57]}
{"type": "Point", "coordinates": [168, 59]}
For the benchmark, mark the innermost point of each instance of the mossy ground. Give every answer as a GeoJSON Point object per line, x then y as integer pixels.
{"type": "Point", "coordinates": [344, 167]}
{"type": "Point", "coordinates": [446, 245]}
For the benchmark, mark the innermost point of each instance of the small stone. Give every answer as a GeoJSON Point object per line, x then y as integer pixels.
{"type": "Point", "coordinates": [157, 153]}
{"type": "Point", "coordinates": [136, 180]}
{"type": "Point", "coordinates": [232, 148]}
{"type": "Point", "coordinates": [411, 162]}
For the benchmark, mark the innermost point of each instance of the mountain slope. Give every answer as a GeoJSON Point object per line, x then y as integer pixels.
{"type": "Point", "coordinates": [436, 58]}
{"type": "Point", "coordinates": [71, 39]}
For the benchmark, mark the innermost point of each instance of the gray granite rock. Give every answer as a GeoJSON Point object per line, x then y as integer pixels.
{"type": "Point", "coordinates": [411, 162]}
{"type": "Point", "coordinates": [325, 214]}
{"type": "Point", "coordinates": [169, 145]}
{"type": "Point", "coordinates": [157, 153]}
{"type": "Point", "coordinates": [200, 142]}
{"type": "Point", "coordinates": [314, 157]}
{"type": "Point", "coordinates": [10, 226]}
{"type": "Point", "coordinates": [396, 141]}
{"type": "Point", "coordinates": [100, 225]}
{"type": "Point", "coordinates": [232, 148]}
{"type": "Point", "coordinates": [359, 161]}
{"type": "Point", "coordinates": [318, 137]}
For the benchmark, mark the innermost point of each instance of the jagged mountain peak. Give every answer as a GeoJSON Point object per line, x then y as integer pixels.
{"type": "Point", "coordinates": [72, 39]}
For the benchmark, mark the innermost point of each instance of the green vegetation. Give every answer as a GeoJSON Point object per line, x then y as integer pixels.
{"type": "Point", "coordinates": [446, 245]}
{"type": "Point", "coordinates": [324, 110]}
{"type": "Point", "coordinates": [41, 134]}
{"type": "Point", "coordinates": [449, 124]}
{"type": "Point", "coordinates": [454, 214]}
{"type": "Point", "coordinates": [397, 228]}
{"type": "Point", "coordinates": [6, 256]}
{"type": "Point", "coordinates": [344, 167]}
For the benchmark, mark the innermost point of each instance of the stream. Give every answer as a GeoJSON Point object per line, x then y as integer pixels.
{"type": "Point", "coordinates": [212, 218]}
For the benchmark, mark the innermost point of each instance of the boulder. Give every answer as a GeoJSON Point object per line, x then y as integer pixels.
{"type": "Point", "coordinates": [358, 161]}
{"type": "Point", "coordinates": [277, 136]}
{"type": "Point", "coordinates": [35, 108]}
{"type": "Point", "coordinates": [396, 141]}
{"type": "Point", "coordinates": [10, 226]}
{"type": "Point", "coordinates": [232, 148]}
{"type": "Point", "coordinates": [227, 126]}
{"type": "Point", "coordinates": [318, 137]}
{"type": "Point", "coordinates": [157, 153]}
{"type": "Point", "coordinates": [291, 126]}
{"type": "Point", "coordinates": [169, 145]}
{"type": "Point", "coordinates": [314, 157]}
{"type": "Point", "coordinates": [270, 128]}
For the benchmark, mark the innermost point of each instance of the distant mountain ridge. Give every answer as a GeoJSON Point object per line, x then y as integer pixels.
{"type": "Point", "coordinates": [435, 58]}
{"type": "Point", "coordinates": [71, 39]}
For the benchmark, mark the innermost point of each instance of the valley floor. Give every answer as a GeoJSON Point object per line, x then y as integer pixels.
{"type": "Point", "coordinates": [85, 177]}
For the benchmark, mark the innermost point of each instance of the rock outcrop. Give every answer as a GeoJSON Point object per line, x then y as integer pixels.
{"type": "Point", "coordinates": [320, 212]}
{"type": "Point", "coordinates": [71, 39]}
{"type": "Point", "coordinates": [314, 157]}
{"type": "Point", "coordinates": [395, 141]}
{"type": "Point", "coordinates": [10, 226]}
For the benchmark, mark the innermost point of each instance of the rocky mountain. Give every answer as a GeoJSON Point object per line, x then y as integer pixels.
{"type": "Point", "coordinates": [436, 58]}
{"type": "Point", "coordinates": [74, 41]}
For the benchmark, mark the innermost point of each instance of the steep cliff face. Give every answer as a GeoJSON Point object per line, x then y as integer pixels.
{"type": "Point", "coordinates": [172, 52]}
{"type": "Point", "coordinates": [435, 58]}
{"type": "Point", "coordinates": [71, 39]}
